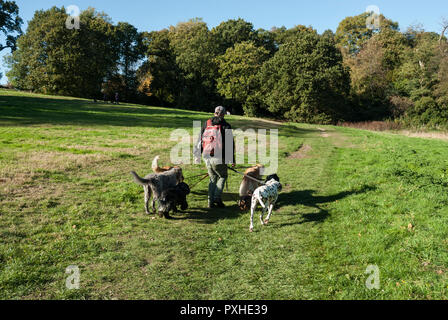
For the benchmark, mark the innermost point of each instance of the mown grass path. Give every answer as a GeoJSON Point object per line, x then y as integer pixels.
{"type": "Point", "coordinates": [351, 199]}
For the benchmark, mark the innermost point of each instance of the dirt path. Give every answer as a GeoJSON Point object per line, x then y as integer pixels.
{"type": "Point", "coordinates": [323, 133]}
{"type": "Point", "coordinates": [302, 152]}
{"type": "Point", "coordinates": [427, 135]}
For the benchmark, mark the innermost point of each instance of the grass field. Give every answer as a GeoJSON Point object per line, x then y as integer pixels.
{"type": "Point", "coordinates": [351, 199]}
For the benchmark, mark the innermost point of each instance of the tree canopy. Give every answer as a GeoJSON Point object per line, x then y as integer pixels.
{"type": "Point", "coordinates": [354, 32]}
{"type": "Point", "coordinates": [10, 24]}
{"type": "Point", "coordinates": [238, 70]}
{"type": "Point", "coordinates": [361, 72]}
{"type": "Point", "coordinates": [306, 80]}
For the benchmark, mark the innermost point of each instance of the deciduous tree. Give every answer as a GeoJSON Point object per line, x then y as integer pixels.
{"type": "Point", "coordinates": [238, 69]}
{"type": "Point", "coordinates": [231, 32]}
{"type": "Point", "coordinates": [10, 24]}
{"type": "Point", "coordinates": [306, 80]}
{"type": "Point", "coordinates": [55, 60]}
{"type": "Point", "coordinates": [130, 52]}
{"type": "Point", "coordinates": [354, 32]}
{"type": "Point", "coordinates": [194, 48]}
{"type": "Point", "coordinates": [159, 76]}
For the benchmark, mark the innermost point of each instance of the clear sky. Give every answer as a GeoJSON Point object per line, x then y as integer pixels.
{"type": "Point", "coordinates": [148, 15]}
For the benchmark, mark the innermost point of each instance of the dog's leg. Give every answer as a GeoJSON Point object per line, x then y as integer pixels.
{"type": "Point", "coordinates": [152, 195]}
{"type": "Point", "coordinates": [252, 212]}
{"type": "Point", "coordinates": [154, 205]}
{"type": "Point", "coordinates": [271, 209]}
{"type": "Point", "coordinates": [262, 214]}
{"type": "Point", "coordinates": [147, 197]}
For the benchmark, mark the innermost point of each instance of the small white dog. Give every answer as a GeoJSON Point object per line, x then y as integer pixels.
{"type": "Point", "coordinates": [267, 196]}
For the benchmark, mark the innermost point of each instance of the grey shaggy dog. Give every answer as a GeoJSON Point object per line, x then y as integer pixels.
{"type": "Point", "coordinates": [155, 184]}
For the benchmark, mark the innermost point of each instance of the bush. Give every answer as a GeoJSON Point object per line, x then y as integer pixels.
{"type": "Point", "coordinates": [427, 112]}
{"type": "Point", "coordinates": [400, 105]}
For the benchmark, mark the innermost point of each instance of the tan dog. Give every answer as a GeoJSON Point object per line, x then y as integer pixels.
{"type": "Point", "coordinates": [248, 186]}
{"type": "Point", "coordinates": [156, 168]}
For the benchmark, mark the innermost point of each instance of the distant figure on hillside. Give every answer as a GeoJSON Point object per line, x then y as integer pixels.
{"type": "Point", "coordinates": [117, 98]}
{"type": "Point", "coordinates": [105, 98]}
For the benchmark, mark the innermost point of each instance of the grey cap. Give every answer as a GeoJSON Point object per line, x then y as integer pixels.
{"type": "Point", "coordinates": [220, 111]}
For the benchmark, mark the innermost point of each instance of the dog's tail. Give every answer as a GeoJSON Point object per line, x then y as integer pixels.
{"type": "Point", "coordinates": [155, 164]}
{"type": "Point", "coordinates": [139, 180]}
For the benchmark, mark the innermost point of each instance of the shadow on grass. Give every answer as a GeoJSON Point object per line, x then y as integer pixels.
{"type": "Point", "coordinates": [25, 110]}
{"type": "Point", "coordinates": [307, 198]}
{"type": "Point", "coordinates": [18, 110]}
{"type": "Point", "coordinates": [209, 216]}
{"type": "Point", "coordinates": [304, 197]}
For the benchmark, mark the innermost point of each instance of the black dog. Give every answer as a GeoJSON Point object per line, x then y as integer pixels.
{"type": "Point", "coordinates": [273, 177]}
{"type": "Point", "coordinates": [172, 198]}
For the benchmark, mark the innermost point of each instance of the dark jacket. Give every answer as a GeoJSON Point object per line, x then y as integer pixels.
{"type": "Point", "coordinates": [224, 126]}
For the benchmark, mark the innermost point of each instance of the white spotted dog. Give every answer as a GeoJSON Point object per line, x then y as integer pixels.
{"type": "Point", "coordinates": [267, 196]}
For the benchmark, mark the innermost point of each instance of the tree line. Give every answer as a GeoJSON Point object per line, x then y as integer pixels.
{"type": "Point", "coordinates": [355, 74]}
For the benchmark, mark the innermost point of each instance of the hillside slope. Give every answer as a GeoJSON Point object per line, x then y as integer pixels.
{"type": "Point", "coordinates": [351, 199]}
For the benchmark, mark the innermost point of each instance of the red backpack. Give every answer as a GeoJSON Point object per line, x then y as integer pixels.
{"type": "Point", "coordinates": [211, 139]}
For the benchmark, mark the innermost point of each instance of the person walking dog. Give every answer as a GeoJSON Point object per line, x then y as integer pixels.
{"type": "Point", "coordinates": [216, 145]}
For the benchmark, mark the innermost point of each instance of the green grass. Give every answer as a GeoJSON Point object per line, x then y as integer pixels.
{"type": "Point", "coordinates": [356, 198]}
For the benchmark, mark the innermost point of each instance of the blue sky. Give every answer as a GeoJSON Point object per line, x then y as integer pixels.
{"type": "Point", "coordinates": [148, 15]}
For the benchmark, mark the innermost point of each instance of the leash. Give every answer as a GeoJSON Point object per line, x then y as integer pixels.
{"type": "Point", "coordinates": [199, 175]}
{"type": "Point", "coordinates": [245, 175]}
{"type": "Point", "coordinates": [203, 178]}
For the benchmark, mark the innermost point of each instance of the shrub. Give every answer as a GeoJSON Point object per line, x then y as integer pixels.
{"type": "Point", "coordinates": [427, 112]}
{"type": "Point", "coordinates": [400, 105]}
